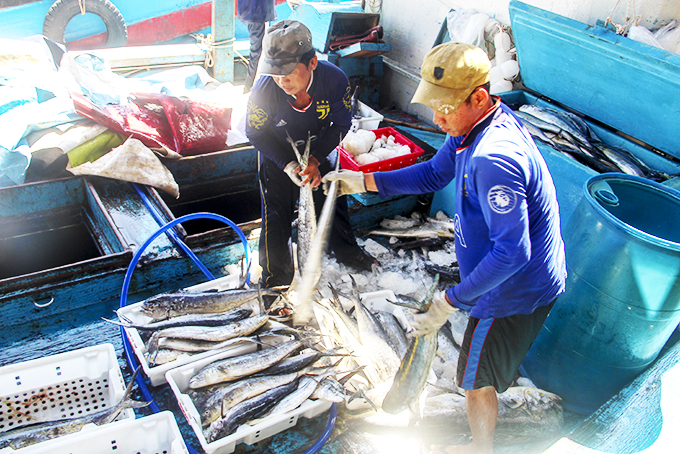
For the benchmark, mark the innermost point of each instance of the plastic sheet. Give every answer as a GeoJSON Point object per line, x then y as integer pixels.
{"type": "Point", "coordinates": [174, 126]}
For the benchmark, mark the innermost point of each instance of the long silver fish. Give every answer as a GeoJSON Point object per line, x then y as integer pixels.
{"type": "Point", "coordinates": [246, 411]}
{"type": "Point", "coordinates": [311, 271]}
{"type": "Point", "coordinates": [174, 304]}
{"type": "Point", "coordinates": [556, 118]}
{"type": "Point", "coordinates": [35, 433]}
{"type": "Point", "coordinates": [236, 367]}
{"type": "Point", "coordinates": [409, 382]}
{"type": "Point", "coordinates": [373, 336]}
{"type": "Point", "coordinates": [305, 387]}
{"type": "Point", "coordinates": [214, 333]}
{"type": "Point", "coordinates": [306, 210]}
{"type": "Point", "coordinates": [187, 320]}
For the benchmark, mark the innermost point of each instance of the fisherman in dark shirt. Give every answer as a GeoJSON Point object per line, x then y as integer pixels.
{"type": "Point", "coordinates": [300, 96]}
{"type": "Point", "coordinates": [254, 14]}
{"type": "Point", "coordinates": [507, 224]}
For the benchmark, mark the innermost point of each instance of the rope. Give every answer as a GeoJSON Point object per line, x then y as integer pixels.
{"type": "Point", "coordinates": [622, 29]}
{"type": "Point", "coordinates": [81, 4]}
{"type": "Point", "coordinates": [207, 41]}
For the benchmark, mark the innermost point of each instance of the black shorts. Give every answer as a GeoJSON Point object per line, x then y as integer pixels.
{"type": "Point", "coordinates": [494, 348]}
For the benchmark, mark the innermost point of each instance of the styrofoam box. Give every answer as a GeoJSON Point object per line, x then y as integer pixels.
{"type": "Point", "coordinates": [156, 374]}
{"type": "Point", "coordinates": [370, 119]}
{"type": "Point", "coordinates": [178, 379]}
{"type": "Point", "coordinates": [154, 434]}
{"type": "Point", "coordinates": [65, 385]}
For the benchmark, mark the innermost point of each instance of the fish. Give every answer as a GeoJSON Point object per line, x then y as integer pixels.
{"type": "Point", "coordinates": [522, 411]}
{"type": "Point", "coordinates": [311, 272]}
{"type": "Point", "coordinates": [394, 330]}
{"type": "Point", "coordinates": [246, 411]}
{"type": "Point", "coordinates": [430, 228]}
{"type": "Point", "coordinates": [372, 334]}
{"type": "Point", "coordinates": [174, 304]}
{"type": "Point", "coordinates": [31, 434]}
{"type": "Point", "coordinates": [555, 118]}
{"type": "Point", "coordinates": [218, 319]}
{"type": "Point", "coordinates": [411, 377]}
{"type": "Point", "coordinates": [435, 242]}
{"type": "Point", "coordinates": [236, 367]}
{"type": "Point", "coordinates": [305, 387]}
{"type": "Point", "coordinates": [306, 222]}
{"type": "Point", "coordinates": [208, 333]}
{"type": "Point", "coordinates": [330, 390]}
{"type": "Point", "coordinates": [197, 346]}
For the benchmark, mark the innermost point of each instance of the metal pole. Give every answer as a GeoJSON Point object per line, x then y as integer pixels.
{"type": "Point", "coordinates": [223, 39]}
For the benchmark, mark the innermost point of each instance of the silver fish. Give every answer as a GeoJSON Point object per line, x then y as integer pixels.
{"type": "Point", "coordinates": [556, 118]}
{"type": "Point", "coordinates": [306, 210]}
{"type": "Point", "coordinates": [372, 334]}
{"type": "Point", "coordinates": [35, 433]}
{"type": "Point", "coordinates": [208, 333]}
{"type": "Point", "coordinates": [245, 411]}
{"type": "Point", "coordinates": [330, 390]}
{"type": "Point", "coordinates": [236, 367]}
{"type": "Point", "coordinates": [425, 230]}
{"type": "Point", "coordinates": [197, 346]}
{"type": "Point", "coordinates": [311, 272]}
{"type": "Point", "coordinates": [187, 320]}
{"type": "Point", "coordinates": [409, 382]}
{"type": "Point", "coordinates": [174, 304]}
{"type": "Point", "coordinates": [305, 387]}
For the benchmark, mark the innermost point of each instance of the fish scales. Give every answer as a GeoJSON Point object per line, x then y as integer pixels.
{"type": "Point", "coordinates": [305, 387]}
{"type": "Point", "coordinates": [215, 333]}
{"type": "Point", "coordinates": [174, 304]}
{"type": "Point", "coordinates": [412, 374]}
{"type": "Point", "coordinates": [236, 367]}
{"type": "Point", "coordinates": [245, 411]}
{"type": "Point", "coordinates": [218, 319]}
{"type": "Point", "coordinates": [411, 377]}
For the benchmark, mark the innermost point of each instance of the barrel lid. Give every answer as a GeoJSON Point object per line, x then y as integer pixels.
{"type": "Point", "coordinates": [620, 82]}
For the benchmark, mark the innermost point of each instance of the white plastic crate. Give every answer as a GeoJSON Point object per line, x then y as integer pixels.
{"type": "Point", "coordinates": [154, 434]}
{"type": "Point", "coordinates": [370, 119]}
{"type": "Point", "coordinates": [178, 379]}
{"type": "Point", "coordinates": [61, 386]}
{"type": "Point", "coordinates": [133, 312]}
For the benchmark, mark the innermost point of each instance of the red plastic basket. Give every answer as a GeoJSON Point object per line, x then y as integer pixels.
{"type": "Point", "coordinates": [347, 161]}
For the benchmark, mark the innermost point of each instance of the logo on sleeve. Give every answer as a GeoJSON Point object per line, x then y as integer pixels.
{"type": "Point", "coordinates": [347, 99]}
{"type": "Point", "coordinates": [323, 108]}
{"type": "Point", "coordinates": [257, 117]}
{"type": "Point", "coordinates": [502, 199]}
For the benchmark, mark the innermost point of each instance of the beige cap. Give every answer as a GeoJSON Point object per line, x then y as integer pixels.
{"type": "Point", "coordinates": [449, 73]}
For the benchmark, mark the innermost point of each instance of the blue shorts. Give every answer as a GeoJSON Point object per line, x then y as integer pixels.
{"type": "Point", "coordinates": [494, 348]}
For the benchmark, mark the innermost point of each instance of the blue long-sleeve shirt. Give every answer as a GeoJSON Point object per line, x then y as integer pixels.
{"type": "Point", "coordinates": [507, 225]}
{"type": "Point", "coordinates": [270, 113]}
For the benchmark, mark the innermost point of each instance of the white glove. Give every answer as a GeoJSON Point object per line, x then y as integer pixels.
{"type": "Point", "coordinates": [349, 181]}
{"type": "Point", "coordinates": [290, 169]}
{"type": "Point", "coordinates": [435, 317]}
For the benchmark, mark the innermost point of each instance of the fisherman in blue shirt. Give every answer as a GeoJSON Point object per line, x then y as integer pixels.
{"type": "Point", "coordinates": [507, 225]}
{"type": "Point", "coordinates": [302, 96]}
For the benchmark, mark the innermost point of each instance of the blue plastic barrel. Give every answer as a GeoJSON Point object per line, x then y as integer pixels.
{"type": "Point", "coordinates": [622, 298]}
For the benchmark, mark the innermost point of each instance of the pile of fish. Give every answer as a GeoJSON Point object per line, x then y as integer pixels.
{"type": "Point", "coordinates": [400, 371]}
{"type": "Point", "coordinates": [187, 323]}
{"type": "Point", "coordinates": [252, 387]}
{"type": "Point", "coordinates": [567, 133]}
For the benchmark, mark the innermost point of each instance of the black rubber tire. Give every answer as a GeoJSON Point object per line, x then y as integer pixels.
{"type": "Point", "coordinates": [62, 11]}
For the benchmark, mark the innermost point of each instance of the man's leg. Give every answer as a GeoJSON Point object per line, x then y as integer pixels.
{"type": "Point", "coordinates": [256, 33]}
{"type": "Point", "coordinates": [276, 256]}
